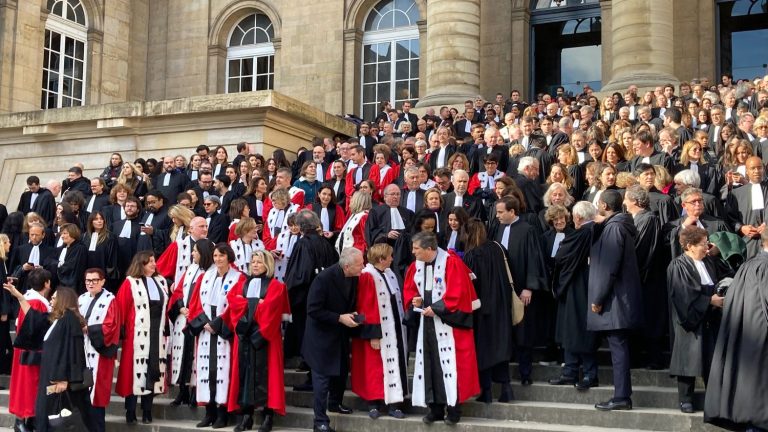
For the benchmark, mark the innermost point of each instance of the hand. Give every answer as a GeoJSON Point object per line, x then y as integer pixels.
{"type": "Point", "coordinates": [713, 250]}
{"type": "Point", "coordinates": [428, 312]}
{"type": "Point", "coordinates": [11, 288]}
{"type": "Point", "coordinates": [717, 301]}
{"type": "Point", "coordinates": [184, 311]}
{"type": "Point", "coordinates": [4, 317]}
{"type": "Point", "coordinates": [376, 344]}
{"type": "Point", "coordinates": [348, 320]}
{"type": "Point", "coordinates": [209, 329]}
{"type": "Point", "coordinates": [761, 228]}
{"type": "Point", "coordinates": [748, 231]}
{"type": "Point", "coordinates": [525, 297]}
{"type": "Point", "coordinates": [327, 234]}
{"type": "Point", "coordinates": [690, 220]}
{"type": "Point", "coordinates": [148, 229]}
{"type": "Point", "coordinates": [27, 267]}
{"type": "Point", "coordinates": [276, 254]}
{"type": "Point", "coordinates": [393, 234]}
{"type": "Point", "coordinates": [59, 386]}
{"type": "Point", "coordinates": [597, 308]}
{"type": "Point", "coordinates": [417, 302]}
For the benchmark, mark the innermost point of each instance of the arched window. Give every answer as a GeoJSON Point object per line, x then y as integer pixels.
{"type": "Point", "coordinates": [251, 55]}
{"type": "Point", "coordinates": [390, 55]}
{"type": "Point", "coordinates": [64, 59]}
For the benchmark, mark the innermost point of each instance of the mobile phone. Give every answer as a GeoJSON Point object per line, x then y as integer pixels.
{"type": "Point", "coordinates": [11, 280]}
{"type": "Point", "coordinates": [359, 318]}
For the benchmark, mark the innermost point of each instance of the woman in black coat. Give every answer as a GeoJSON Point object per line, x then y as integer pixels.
{"type": "Point", "coordinates": [102, 252]}
{"type": "Point", "coordinates": [73, 258]}
{"type": "Point", "coordinates": [697, 308]}
{"type": "Point", "coordinates": [6, 309]}
{"type": "Point", "coordinates": [62, 367]}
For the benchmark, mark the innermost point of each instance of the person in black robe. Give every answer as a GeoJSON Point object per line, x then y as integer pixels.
{"type": "Point", "coordinates": [741, 351]}
{"type": "Point", "coordinates": [73, 259]}
{"type": "Point", "coordinates": [746, 213]}
{"type": "Point", "coordinates": [692, 200]}
{"type": "Point", "coordinates": [663, 206]}
{"type": "Point", "coordinates": [155, 223]}
{"type": "Point", "coordinates": [218, 224]}
{"type": "Point", "coordinates": [381, 223]}
{"type": "Point", "coordinates": [311, 255]}
{"type": "Point", "coordinates": [171, 182]}
{"type": "Point", "coordinates": [652, 258]}
{"type": "Point", "coordinates": [34, 254]}
{"type": "Point", "coordinates": [526, 263]}
{"type": "Point", "coordinates": [62, 365]}
{"type": "Point", "coordinates": [127, 231]}
{"type": "Point", "coordinates": [102, 250]}
{"type": "Point", "coordinates": [37, 199]}
{"type": "Point", "coordinates": [527, 180]}
{"type": "Point", "coordinates": [493, 321]}
{"type": "Point", "coordinates": [696, 311]}
{"type": "Point", "coordinates": [7, 309]}
{"type": "Point", "coordinates": [570, 277]}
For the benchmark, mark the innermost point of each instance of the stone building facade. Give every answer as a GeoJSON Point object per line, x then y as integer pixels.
{"type": "Point", "coordinates": [343, 56]}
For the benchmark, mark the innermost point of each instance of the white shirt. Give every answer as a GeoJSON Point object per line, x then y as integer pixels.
{"type": "Point", "coordinates": [89, 208]}
{"type": "Point", "coordinates": [32, 199]}
{"type": "Point", "coordinates": [703, 273]}
{"type": "Point", "coordinates": [556, 245]}
{"type": "Point", "coordinates": [758, 200]}
{"type": "Point", "coordinates": [410, 201]}
{"type": "Point", "coordinates": [324, 220]}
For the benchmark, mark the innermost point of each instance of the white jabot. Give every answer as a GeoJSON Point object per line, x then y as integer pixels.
{"type": "Point", "coordinates": [459, 201]}
{"type": "Point", "coordinates": [441, 157]}
{"type": "Point", "coordinates": [217, 170]}
{"type": "Point", "coordinates": [32, 199]}
{"type": "Point", "coordinates": [647, 160]}
{"type": "Point", "coordinates": [410, 201]}
{"type": "Point", "coordinates": [94, 241]}
{"type": "Point", "coordinates": [59, 242]}
{"type": "Point", "coordinates": [695, 167]}
{"type": "Point", "coordinates": [34, 255]}
{"type": "Point", "coordinates": [596, 200]}
{"type": "Point", "coordinates": [396, 220]}
{"type": "Point", "coordinates": [358, 175]}
{"type": "Point", "coordinates": [91, 201]}
{"type": "Point", "coordinates": [280, 219]}
{"type": "Point", "coordinates": [336, 186]}
{"type": "Point", "coordinates": [716, 134]}
{"type": "Point", "coordinates": [122, 213]}
{"type": "Point", "coordinates": [382, 173]}
{"type": "Point", "coordinates": [582, 156]}
{"type": "Point", "coordinates": [62, 256]}
{"type": "Point", "coordinates": [525, 142]}
{"type": "Point", "coordinates": [154, 293]}
{"type": "Point", "coordinates": [126, 231]}
{"type": "Point", "coordinates": [194, 175]}
{"type": "Point", "coordinates": [467, 126]}
{"type": "Point", "coordinates": [703, 273]}
{"type": "Point", "coordinates": [260, 207]}
{"type": "Point", "coordinates": [167, 179]}
{"type": "Point", "coordinates": [505, 236]}
{"type": "Point", "coordinates": [758, 200]}
{"type": "Point", "coordinates": [254, 288]}
{"type": "Point", "coordinates": [452, 240]}
{"type": "Point", "coordinates": [324, 220]}
{"type": "Point", "coordinates": [556, 245]}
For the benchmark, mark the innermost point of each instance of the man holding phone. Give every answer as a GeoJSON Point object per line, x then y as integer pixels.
{"type": "Point", "coordinates": [32, 255]}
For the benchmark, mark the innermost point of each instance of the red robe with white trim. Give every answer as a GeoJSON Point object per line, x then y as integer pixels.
{"type": "Point", "coordinates": [269, 240]}
{"type": "Point", "coordinates": [269, 315]}
{"type": "Point", "coordinates": [459, 295]}
{"type": "Point", "coordinates": [109, 329]}
{"type": "Point", "coordinates": [357, 234]}
{"type": "Point", "coordinates": [480, 180]}
{"type": "Point", "coordinates": [375, 175]}
{"type": "Point", "coordinates": [24, 378]}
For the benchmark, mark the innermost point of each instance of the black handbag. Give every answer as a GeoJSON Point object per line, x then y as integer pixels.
{"type": "Point", "coordinates": [86, 384]}
{"type": "Point", "coordinates": [64, 416]}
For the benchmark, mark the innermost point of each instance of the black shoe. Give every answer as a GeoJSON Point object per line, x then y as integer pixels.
{"type": "Point", "coordinates": [586, 384]}
{"type": "Point", "coordinates": [323, 428]}
{"type": "Point", "coordinates": [246, 423]}
{"type": "Point", "coordinates": [20, 426]}
{"type": "Point", "coordinates": [340, 409]}
{"type": "Point", "coordinates": [30, 424]}
{"type": "Point", "coordinates": [374, 413]}
{"type": "Point", "coordinates": [485, 397]}
{"type": "Point", "coordinates": [210, 417]}
{"type": "Point", "coordinates": [302, 367]}
{"type": "Point", "coordinates": [130, 417]}
{"type": "Point", "coordinates": [431, 418]}
{"type": "Point", "coordinates": [453, 416]}
{"type": "Point", "coordinates": [686, 407]}
{"type": "Point", "coordinates": [396, 413]}
{"type": "Point", "coordinates": [506, 393]}
{"type": "Point", "coordinates": [266, 424]}
{"type": "Point", "coordinates": [562, 380]}
{"type": "Point", "coordinates": [305, 387]}
{"type": "Point", "coordinates": [525, 382]}
{"type": "Point", "coordinates": [193, 398]}
{"type": "Point", "coordinates": [181, 399]}
{"type": "Point", "coordinates": [146, 417]}
{"type": "Point", "coordinates": [221, 417]}
{"type": "Point", "coordinates": [613, 405]}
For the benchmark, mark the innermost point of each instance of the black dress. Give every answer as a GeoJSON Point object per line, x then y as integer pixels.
{"type": "Point", "coordinates": [104, 256]}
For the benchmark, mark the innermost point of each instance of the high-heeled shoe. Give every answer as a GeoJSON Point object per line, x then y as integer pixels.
{"type": "Point", "coordinates": [146, 416]}
{"type": "Point", "coordinates": [221, 417]}
{"type": "Point", "coordinates": [210, 416]}
{"type": "Point", "coordinates": [246, 423]}
{"type": "Point", "coordinates": [20, 426]}
{"type": "Point", "coordinates": [266, 424]}
{"type": "Point", "coordinates": [130, 417]}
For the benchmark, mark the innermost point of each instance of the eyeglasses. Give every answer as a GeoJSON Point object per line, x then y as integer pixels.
{"type": "Point", "coordinates": [92, 281]}
{"type": "Point", "coordinates": [695, 201]}
{"type": "Point", "coordinates": [208, 204]}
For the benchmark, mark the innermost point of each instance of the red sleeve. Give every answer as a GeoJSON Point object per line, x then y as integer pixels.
{"type": "Point", "coordinates": [236, 307]}
{"type": "Point", "coordinates": [298, 199]}
{"type": "Point", "coordinates": [410, 290]}
{"type": "Point", "coordinates": [195, 306]}
{"type": "Point", "coordinates": [177, 293]}
{"type": "Point", "coordinates": [111, 325]}
{"type": "Point", "coordinates": [270, 312]}
{"type": "Point", "coordinates": [339, 219]}
{"type": "Point", "coordinates": [124, 301]}
{"type": "Point", "coordinates": [166, 264]}
{"type": "Point", "coordinates": [266, 208]}
{"type": "Point", "coordinates": [232, 235]}
{"type": "Point", "coordinates": [459, 293]}
{"type": "Point", "coordinates": [474, 183]}
{"type": "Point", "coordinates": [349, 185]}
{"type": "Point", "coordinates": [367, 301]}
{"type": "Point", "coordinates": [266, 235]}
{"type": "Point", "coordinates": [358, 235]}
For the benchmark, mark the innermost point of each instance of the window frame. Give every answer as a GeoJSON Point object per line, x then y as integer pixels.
{"type": "Point", "coordinates": [253, 51]}
{"type": "Point", "coordinates": [66, 29]}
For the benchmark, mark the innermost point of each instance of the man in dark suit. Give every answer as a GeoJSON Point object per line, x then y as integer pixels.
{"type": "Point", "coordinates": [155, 224]}
{"type": "Point", "coordinates": [366, 141]}
{"type": "Point", "coordinates": [37, 199]}
{"type": "Point", "coordinates": [407, 116]}
{"type": "Point", "coordinates": [127, 231]}
{"type": "Point", "coordinates": [99, 195]}
{"type": "Point", "coordinates": [527, 179]}
{"type": "Point", "coordinates": [717, 115]}
{"type": "Point", "coordinates": [171, 182]}
{"type": "Point", "coordinates": [461, 198]}
{"type": "Point", "coordinates": [331, 318]}
{"type": "Point", "coordinates": [358, 172]}
{"type": "Point", "coordinates": [204, 186]}
{"type": "Point", "coordinates": [393, 222]}
{"type": "Point", "coordinates": [463, 128]}
{"type": "Point", "coordinates": [692, 200]}
{"type": "Point", "coordinates": [32, 255]}
{"type": "Point", "coordinates": [76, 181]}
{"type": "Point", "coordinates": [646, 153]}
{"type": "Point", "coordinates": [412, 196]}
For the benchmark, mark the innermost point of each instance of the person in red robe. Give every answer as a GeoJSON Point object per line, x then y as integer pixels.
{"type": "Point", "coordinates": [25, 372]}
{"type": "Point", "coordinates": [276, 218]}
{"type": "Point", "coordinates": [99, 309]}
{"type": "Point", "coordinates": [353, 232]}
{"type": "Point", "coordinates": [173, 263]}
{"type": "Point", "coordinates": [142, 303]}
{"type": "Point", "coordinates": [382, 338]}
{"type": "Point", "coordinates": [255, 314]}
{"type": "Point", "coordinates": [439, 293]}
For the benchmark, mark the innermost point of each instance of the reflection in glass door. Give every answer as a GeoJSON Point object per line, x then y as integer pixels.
{"type": "Point", "coordinates": [743, 31]}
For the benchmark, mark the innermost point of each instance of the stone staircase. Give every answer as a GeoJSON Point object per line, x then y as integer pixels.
{"type": "Point", "coordinates": [539, 407]}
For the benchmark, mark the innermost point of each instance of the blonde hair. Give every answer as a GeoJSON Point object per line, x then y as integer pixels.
{"type": "Point", "coordinates": [360, 202]}
{"type": "Point", "coordinates": [184, 215]}
{"type": "Point", "coordinates": [267, 259]}
{"type": "Point", "coordinates": [3, 238]}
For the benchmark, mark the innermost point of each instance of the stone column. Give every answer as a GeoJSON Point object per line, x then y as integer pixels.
{"type": "Point", "coordinates": [642, 44]}
{"type": "Point", "coordinates": [453, 50]}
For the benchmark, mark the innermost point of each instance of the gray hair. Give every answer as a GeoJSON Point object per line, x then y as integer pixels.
{"type": "Point", "coordinates": [527, 161]}
{"type": "Point", "coordinates": [688, 177]}
{"type": "Point", "coordinates": [361, 201]}
{"type": "Point", "coordinates": [639, 195]}
{"type": "Point", "coordinates": [425, 240]}
{"type": "Point", "coordinates": [308, 221]}
{"type": "Point", "coordinates": [565, 122]}
{"type": "Point", "coordinates": [690, 191]}
{"type": "Point", "coordinates": [584, 210]}
{"type": "Point", "coordinates": [556, 185]}
{"type": "Point", "coordinates": [460, 172]}
{"type": "Point", "coordinates": [348, 255]}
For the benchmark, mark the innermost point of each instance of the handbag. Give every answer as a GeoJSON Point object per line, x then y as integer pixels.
{"type": "Point", "coordinates": [87, 382]}
{"type": "Point", "coordinates": [65, 416]}
{"type": "Point", "coordinates": [518, 308]}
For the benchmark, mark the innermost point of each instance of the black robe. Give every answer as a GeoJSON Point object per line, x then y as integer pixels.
{"type": "Point", "coordinates": [662, 206]}
{"type": "Point", "coordinates": [71, 273]}
{"type": "Point", "coordinates": [63, 359]}
{"type": "Point", "coordinates": [105, 258]}
{"type": "Point", "coordinates": [672, 231]}
{"type": "Point", "coordinates": [311, 255]}
{"type": "Point", "coordinates": [379, 223]}
{"type": "Point", "coordinates": [127, 246]}
{"type": "Point", "coordinates": [741, 352]}
{"type": "Point", "coordinates": [218, 228]}
{"type": "Point", "coordinates": [161, 225]}
{"type": "Point", "coordinates": [652, 259]}
{"type": "Point", "coordinates": [570, 280]}
{"type": "Point", "coordinates": [20, 256]}
{"type": "Point", "coordinates": [45, 204]}
{"type": "Point", "coordinates": [493, 321]}
{"type": "Point", "coordinates": [526, 263]}
{"type": "Point", "coordinates": [739, 205]}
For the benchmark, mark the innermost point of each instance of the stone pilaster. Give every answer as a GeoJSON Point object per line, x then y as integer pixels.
{"type": "Point", "coordinates": [453, 49]}
{"type": "Point", "coordinates": [642, 44]}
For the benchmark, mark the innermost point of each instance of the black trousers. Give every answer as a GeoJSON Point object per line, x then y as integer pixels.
{"type": "Point", "coordinates": [498, 373]}
{"type": "Point", "coordinates": [327, 390]}
{"type": "Point", "coordinates": [618, 342]}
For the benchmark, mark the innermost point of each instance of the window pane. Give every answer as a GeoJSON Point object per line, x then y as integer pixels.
{"type": "Point", "coordinates": [369, 93]}
{"type": "Point", "coordinates": [383, 52]}
{"type": "Point", "coordinates": [414, 68]}
{"type": "Point", "coordinates": [45, 79]}
{"type": "Point", "coordinates": [271, 64]}
{"type": "Point", "coordinates": [43, 99]}
{"type": "Point", "coordinates": [401, 70]}
{"type": "Point", "coordinates": [262, 65]}
{"type": "Point", "coordinates": [401, 90]}
{"type": "Point", "coordinates": [66, 102]}
{"type": "Point", "coordinates": [51, 100]}
{"type": "Point", "coordinates": [53, 62]}
{"type": "Point", "coordinates": [77, 102]}
{"type": "Point", "coordinates": [57, 9]}
{"type": "Point", "coordinates": [749, 50]}
{"type": "Point", "coordinates": [580, 66]}
{"type": "Point", "coordinates": [67, 87]}
{"type": "Point", "coordinates": [414, 47]}
{"type": "Point", "coordinates": [248, 37]}
{"type": "Point", "coordinates": [369, 111]}
{"type": "Point", "coordinates": [233, 85]}
{"type": "Point", "coordinates": [414, 90]}
{"type": "Point", "coordinates": [236, 38]}
{"type": "Point", "coordinates": [246, 67]}
{"type": "Point", "coordinates": [55, 41]}
{"type": "Point", "coordinates": [80, 50]}
{"type": "Point", "coordinates": [369, 54]}
{"type": "Point", "coordinates": [383, 91]}
{"type": "Point", "coordinates": [384, 72]}
{"type": "Point", "coordinates": [53, 81]}
{"type": "Point", "coordinates": [401, 19]}
{"type": "Point", "coordinates": [402, 50]}
{"type": "Point", "coordinates": [246, 84]}
{"type": "Point", "coordinates": [69, 46]}
{"type": "Point", "coordinates": [369, 73]}
{"type": "Point", "coordinates": [68, 66]}
{"type": "Point", "coordinates": [262, 83]}
{"type": "Point", "coordinates": [77, 89]}
{"type": "Point", "coordinates": [78, 69]}
{"type": "Point", "coordinates": [261, 36]}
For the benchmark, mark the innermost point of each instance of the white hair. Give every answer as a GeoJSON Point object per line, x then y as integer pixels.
{"type": "Point", "coordinates": [527, 161]}
{"type": "Point", "coordinates": [584, 210]}
{"type": "Point", "coordinates": [688, 177]}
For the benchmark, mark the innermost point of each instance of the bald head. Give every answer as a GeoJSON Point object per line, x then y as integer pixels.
{"type": "Point", "coordinates": [198, 228]}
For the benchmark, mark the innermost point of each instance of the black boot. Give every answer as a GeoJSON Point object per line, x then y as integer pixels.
{"type": "Point", "coordinates": [193, 397]}
{"type": "Point", "coordinates": [266, 424]}
{"type": "Point", "coordinates": [31, 425]}
{"type": "Point", "coordinates": [506, 393]}
{"type": "Point", "coordinates": [485, 396]}
{"type": "Point", "coordinates": [210, 416]}
{"type": "Point", "coordinates": [20, 426]}
{"type": "Point", "coordinates": [146, 416]}
{"type": "Point", "coordinates": [221, 417]}
{"type": "Point", "coordinates": [182, 397]}
{"type": "Point", "coordinates": [246, 423]}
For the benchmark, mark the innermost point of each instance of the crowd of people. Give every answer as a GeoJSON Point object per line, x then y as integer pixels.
{"type": "Point", "coordinates": [508, 232]}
